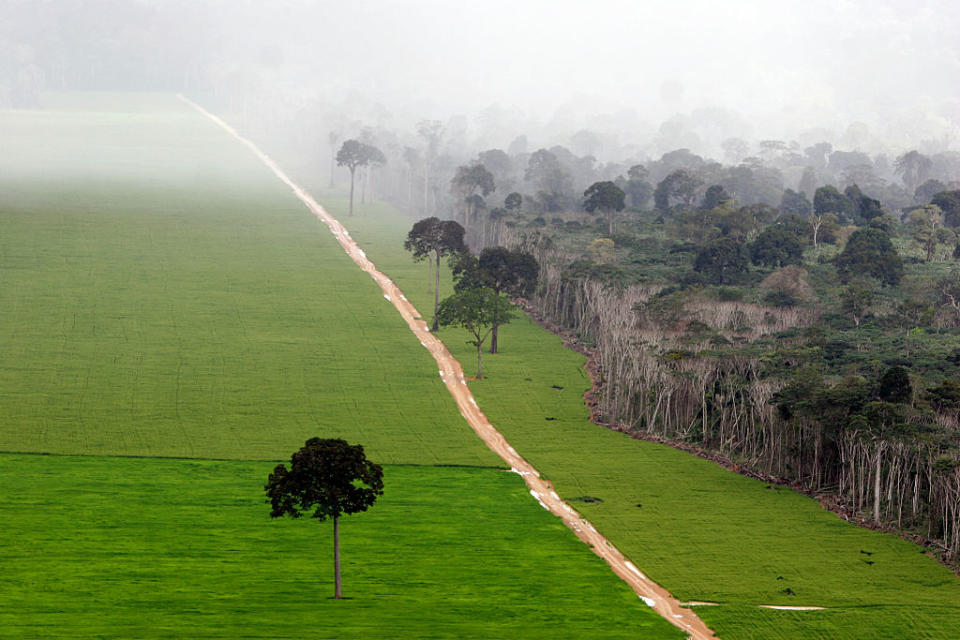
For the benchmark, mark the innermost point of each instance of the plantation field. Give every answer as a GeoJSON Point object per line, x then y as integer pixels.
{"type": "Point", "coordinates": [140, 548]}
{"type": "Point", "coordinates": [701, 531]}
{"type": "Point", "coordinates": [163, 295]}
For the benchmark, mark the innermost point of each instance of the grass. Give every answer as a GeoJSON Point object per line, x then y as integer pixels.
{"type": "Point", "coordinates": [703, 532]}
{"type": "Point", "coordinates": [162, 295]}
{"type": "Point", "coordinates": [123, 548]}
{"type": "Point", "coordinates": [170, 297]}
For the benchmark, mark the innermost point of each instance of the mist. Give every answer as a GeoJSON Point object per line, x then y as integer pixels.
{"type": "Point", "coordinates": [878, 77]}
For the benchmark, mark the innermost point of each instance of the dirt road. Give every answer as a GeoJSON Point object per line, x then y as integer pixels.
{"type": "Point", "coordinates": [452, 374]}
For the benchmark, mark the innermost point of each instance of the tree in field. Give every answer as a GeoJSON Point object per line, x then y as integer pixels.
{"type": "Point", "coordinates": [432, 239]}
{"type": "Point", "coordinates": [721, 261]}
{"type": "Point", "coordinates": [330, 478]}
{"type": "Point", "coordinates": [513, 272]}
{"type": "Point", "coordinates": [478, 311]}
{"type": "Point", "coordinates": [776, 247]}
{"type": "Point", "coordinates": [605, 197]}
{"type": "Point", "coordinates": [869, 252]}
{"type": "Point", "coordinates": [470, 181]}
{"type": "Point", "coordinates": [355, 154]}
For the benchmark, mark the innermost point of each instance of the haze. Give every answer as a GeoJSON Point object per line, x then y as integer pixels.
{"type": "Point", "coordinates": [758, 70]}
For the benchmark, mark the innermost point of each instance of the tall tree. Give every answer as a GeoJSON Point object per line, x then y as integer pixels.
{"type": "Point", "coordinates": [477, 311]}
{"type": "Point", "coordinates": [432, 239]}
{"type": "Point", "coordinates": [355, 154]}
{"type": "Point", "coordinates": [472, 180]}
{"type": "Point", "coordinates": [605, 197]}
{"type": "Point", "coordinates": [330, 478]}
{"type": "Point", "coordinates": [513, 272]}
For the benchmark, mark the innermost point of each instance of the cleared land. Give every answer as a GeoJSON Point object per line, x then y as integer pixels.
{"type": "Point", "coordinates": [703, 532]}
{"type": "Point", "coordinates": [163, 295]}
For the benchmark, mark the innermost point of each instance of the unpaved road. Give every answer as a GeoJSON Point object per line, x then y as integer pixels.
{"type": "Point", "coordinates": [452, 375]}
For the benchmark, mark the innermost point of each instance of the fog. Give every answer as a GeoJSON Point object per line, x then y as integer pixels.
{"type": "Point", "coordinates": [864, 75]}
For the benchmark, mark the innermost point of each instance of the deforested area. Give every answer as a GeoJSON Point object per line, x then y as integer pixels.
{"type": "Point", "coordinates": [686, 276]}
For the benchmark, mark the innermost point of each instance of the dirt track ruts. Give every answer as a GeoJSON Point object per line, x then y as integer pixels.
{"type": "Point", "coordinates": [452, 374]}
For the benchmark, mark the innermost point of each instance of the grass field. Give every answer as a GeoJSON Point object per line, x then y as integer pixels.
{"type": "Point", "coordinates": [701, 531]}
{"type": "Point", "coordinates": [162, 295]}
{"type": "Point", "coordinates": [184, 549]}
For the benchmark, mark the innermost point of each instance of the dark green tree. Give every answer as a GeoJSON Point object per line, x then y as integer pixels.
{"type": "Point", "coordinates": [478, 311]}
{"type": "Point", "coordinates": [793, 203]}
{"type": "Point", "coordinates": [721, 261]}
{"type": "Point", "coordinates": [432, 239]}
{"type": "Point", "coordinates": [895, 386]}
{"type": "Point", "coordinates": [828, 200]}
{"type": "Point", "coordinates": [869, 252]}
{"type": "Point", "coordinates": [949, 203]}
{"type": "Point", "coordinates": [513, 272]}
{"type": "Point", "coordinates": [776, 247]}
{"type": "Point", "coordinates": [330, 478]}
{"type": "Point", "coordinates": [605, 197]}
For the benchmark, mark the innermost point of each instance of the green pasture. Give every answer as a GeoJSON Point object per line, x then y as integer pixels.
{"type": "Point", "coordinates": [703, 532]}
{"type": "Point", "coordinates": [138, 548]}
{"type": "Point", "coordinates": [163, 294]}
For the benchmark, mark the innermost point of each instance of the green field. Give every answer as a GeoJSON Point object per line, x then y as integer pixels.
{"type": "Point", "coordinates": [163, 295]}
{"type": "Point", "coordinates": [183, 548]}
{"type": "Point", "coordinates": [701, 531]}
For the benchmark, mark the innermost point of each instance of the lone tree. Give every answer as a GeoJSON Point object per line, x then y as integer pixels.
{"type": "Point", "coordinates": [331, 478]}
{"type": "Point", "coordinates": [432, 239]}
{"type": "Point", "coordinates": [355, 154]}
{"type": "Point", "coordinates": [478, 311]}
{"type": "Point", "coordinates": [606, 198]}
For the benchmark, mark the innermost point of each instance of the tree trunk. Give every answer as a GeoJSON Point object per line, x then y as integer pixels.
{"type": "Point", "coordinates": [436, 296]}
{"type": "Point", "coordinates": [338, 593]}
{"type": "Point", "coordinates": [352, 174]}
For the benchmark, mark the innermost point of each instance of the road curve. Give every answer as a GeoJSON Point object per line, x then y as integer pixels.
{"type": "Point", "coordinates": [452, 374]}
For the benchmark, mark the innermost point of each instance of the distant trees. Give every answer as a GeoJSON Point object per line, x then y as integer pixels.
{"type": "Point", "coordinates": [432, 239]}
{"type": "Point", "coordinates": [469, 181]}
{"type": "Point", "coordinates": [478, 311]}
{"type": "Point", "coordinates": [913, 168]}
{"type": "Point", "coordinates": [605, 197]}
{"type": "Point", "coordinates": [330, 478]}
{"type": "Point", "coordinates": [869, 252]}
{"type": "Point", "coordinates": [355, 154]}
{"type": "Point", "coordinates": [679, 186]}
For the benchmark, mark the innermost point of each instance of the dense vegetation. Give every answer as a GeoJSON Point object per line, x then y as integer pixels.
{"type": "Point", "coordinates": [810, 334]}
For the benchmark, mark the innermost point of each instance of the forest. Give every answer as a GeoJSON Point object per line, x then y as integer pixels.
{"type": "Point", "coordinates": [795, 312]}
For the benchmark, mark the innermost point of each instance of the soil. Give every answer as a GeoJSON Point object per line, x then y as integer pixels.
{"type": "Point", "coordinates": [452, 374]}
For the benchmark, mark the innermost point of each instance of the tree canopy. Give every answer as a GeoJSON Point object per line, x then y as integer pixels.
{"type": "Point", "coordinates": [327, 478]}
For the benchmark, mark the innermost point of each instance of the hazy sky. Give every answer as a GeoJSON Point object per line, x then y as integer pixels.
{"type": "Point", "coordinates": [804, 59]}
